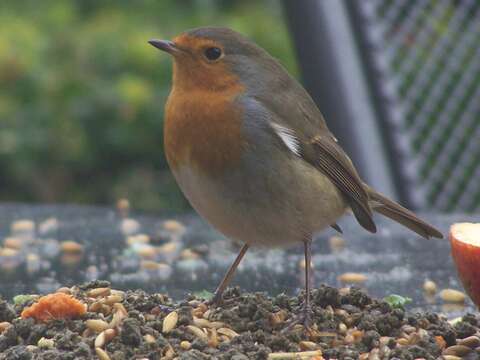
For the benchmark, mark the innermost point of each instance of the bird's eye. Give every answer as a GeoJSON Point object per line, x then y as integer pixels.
{"type": "Point", "coordinates": [213, 53]}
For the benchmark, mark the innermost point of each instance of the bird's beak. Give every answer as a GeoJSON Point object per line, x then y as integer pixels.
{"type": "Point", "coordinates": [164, 45]}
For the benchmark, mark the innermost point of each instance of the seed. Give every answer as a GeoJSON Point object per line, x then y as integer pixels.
{"type": "Point", "coordinates": [173, 226]}
{"type": "Point", "coordinates": [451, 357]}
{"type": "Point", "coordinates": [228, 332]}
{"type": "Point", "coordinates": [457, 350]}
{"type": "Point", "coordinates": [7, 252]}
{"type": "Point", "coordinates": [217, 324]}
{"type": "Point", "coordinates": [71, 247]}
{"type": "Point", "coordinates": [453, 296]}
{"type": "Point", "coordinates": [118, 316]}
{"type": "Point", "coordinates": [336, 243]}
{"type": "Point", "coordinates": [168, 248]}
{"type": "Point", "coordinates": [100, 340]}
{"type": "Point", "coordinates": [185, 345]}
{"type": "Point", "coordinates": [340, 312]}
{"type": "Point", "coordinates": [374, 355]}
{"type": "Point", "coordinates": [123, 206]}
{"type": "Point", "coordinates": [120, 308]}
{"type": "Point", "coordinates": [97, 325]}
{"type": "Point", "coordinates": [212, 338]}
{"type": "Point", "coordinates": [13, 243]}
{"type": "Point", "coordinates": [200, 310]}
{"type": "Point", "coordinates": [147, 252]}
{"type": "Point", "coordinates": [342, 328]}
{"type": "Point", "coordinates": [48, 226]}
{"type": "Point", "coordinates": [201, 323]}
{"type": "Point", "coordinates": [138, 239]}
{"type": "Point", "coordinates": [4, 326]}
{"type": "Point", "coordinates": [188, 254]}
{"type": "Point", "coordinates": [352, 277]}
{"type": "Point", "coordinates": [471, 341]}
{"type": "Point", "coordinates": [95, 307]}
{"type": "Point", "coordinates": [308, 345]}
{"type": "Point", "coordinates": [169, 354]}
{"type": "Point", "coordinates": [113, 299]}
{"type": "Point", "coordinates": [384, 340]}
{"type": "Point", "coordinates": [403, 341]}
{"type": "Point", "coordinates": [129, 226]}
{"type": "Point", "coordinates": [104, 337]}
{"type": "Point", "coordinates": [64, 290]}
{"type": "Point", "coordinates": [45, 343]}
{"type": "Point", "coordinates": [317, 354]}
{"type": "Point", "coordinates": [169, 322]}
{"type": "Point", "coordinates": [429, 287]}
{"type": "Point", "coordinates": [198, 332]}
{"type": "Point", "coordinates": [149, 339]}
{"type": "Point", "coordinates": [206, 314]}
{"type": "Point", "coordinates": [22, 226]}
{"type": "Point", "coordinates": [102, 354]}
{"type": "Point", "coordinates": [97, 292]}
{"type": "Point", "coordinates": [278, 317]}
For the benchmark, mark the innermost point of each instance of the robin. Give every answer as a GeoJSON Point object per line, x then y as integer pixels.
{"type": "Point", "coordinates": [252, 152]}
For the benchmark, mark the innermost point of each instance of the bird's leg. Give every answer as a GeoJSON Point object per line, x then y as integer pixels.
{"type": "Point", "coordinates": [307, 308]}
{"type": "Point", "coordinates": [217, 298]}
{"type": "Point", "coordinates": [304, 318]}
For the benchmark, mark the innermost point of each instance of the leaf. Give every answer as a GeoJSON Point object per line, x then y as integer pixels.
{"type": "Point", "coordinates": [397, 301]}
{"type": "Point", "coordinates": [23, 299]}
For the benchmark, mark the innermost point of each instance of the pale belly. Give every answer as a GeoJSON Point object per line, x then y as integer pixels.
{"type": "Point", "coordinates": [262, 206]}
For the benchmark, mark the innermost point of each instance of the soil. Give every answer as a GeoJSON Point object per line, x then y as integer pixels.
{"type": "Point", "coordinates": [347, 324]}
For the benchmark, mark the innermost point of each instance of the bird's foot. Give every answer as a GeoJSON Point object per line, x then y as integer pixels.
{"type": "Point", "coordinates": [304, 318]}
{"type": "Point", "coordinates": [215, 301]}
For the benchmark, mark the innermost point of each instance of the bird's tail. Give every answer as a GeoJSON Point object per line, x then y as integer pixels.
{"type": "Point", "coordinates": [394, 211]}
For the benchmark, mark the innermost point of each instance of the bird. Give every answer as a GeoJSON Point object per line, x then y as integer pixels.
{"type": "Point", "coordinates": [253, 155]}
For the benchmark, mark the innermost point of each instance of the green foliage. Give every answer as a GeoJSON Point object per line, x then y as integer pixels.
{"type": "Point", "coordinates": [204, 294]}
{"type": "Point", "coordinates": [23, 299]}
{"type": "Point", "coordinates": [82, 93]}
{"type": "Point", "coordinates": [397, 301]}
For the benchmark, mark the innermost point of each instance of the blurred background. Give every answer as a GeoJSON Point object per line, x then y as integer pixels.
{"type": "Point", "coordinates": [82, 93]}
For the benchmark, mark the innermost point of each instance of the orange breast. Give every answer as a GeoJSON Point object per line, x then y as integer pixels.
{"type": "Point", "coordinates": [203, 130]}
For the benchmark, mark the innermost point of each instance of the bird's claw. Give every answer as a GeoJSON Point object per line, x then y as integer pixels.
{"type": "Point", "coordinates": [304, 319]}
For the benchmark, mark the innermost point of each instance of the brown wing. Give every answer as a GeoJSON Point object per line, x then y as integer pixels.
{"type": "Point", "coordinates": [326, 155]}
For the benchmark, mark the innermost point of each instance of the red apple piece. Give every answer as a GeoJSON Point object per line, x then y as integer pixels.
{"type": "Point", "coordinates": [465, 246]}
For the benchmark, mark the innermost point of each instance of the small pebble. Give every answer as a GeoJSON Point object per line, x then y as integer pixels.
{"type": "Point", "coordinates": [452, 296]}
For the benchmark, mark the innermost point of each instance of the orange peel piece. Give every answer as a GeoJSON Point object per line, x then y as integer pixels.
{"type": "Point", "coordinates": [55, 306]}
